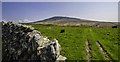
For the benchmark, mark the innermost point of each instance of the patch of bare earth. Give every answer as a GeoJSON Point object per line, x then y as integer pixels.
{"type": "Point", "coordinates": [88, 49]}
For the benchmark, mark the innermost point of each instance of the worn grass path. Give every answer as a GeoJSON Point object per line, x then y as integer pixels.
{"type": "Point", "coordinates": [96, 54]}
{"type": "Point", "coordinates": [111, 48]}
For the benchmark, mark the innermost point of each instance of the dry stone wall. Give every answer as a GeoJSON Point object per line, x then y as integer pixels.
{"type": "Point", "coordinates": [21, 43]}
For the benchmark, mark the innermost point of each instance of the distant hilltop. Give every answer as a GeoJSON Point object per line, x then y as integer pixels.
{"type": "Point", "coordinates": [57, 18]}
{"type": "Point", "coordinates": [65, 21]}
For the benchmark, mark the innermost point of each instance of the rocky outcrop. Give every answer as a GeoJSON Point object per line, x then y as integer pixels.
{"type": "Point", "coordinates": [21, 42]}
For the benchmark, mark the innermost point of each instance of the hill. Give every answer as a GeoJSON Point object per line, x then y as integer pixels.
{"type": "Point", "coordinates": [65, 21]}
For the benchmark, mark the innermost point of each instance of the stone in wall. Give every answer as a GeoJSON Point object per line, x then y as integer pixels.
{"type": "Point", "coordinates": [21, 43]}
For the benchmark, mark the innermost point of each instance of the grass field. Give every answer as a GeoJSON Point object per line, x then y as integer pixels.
{"type": "Point", "coordinates": [73, 40]}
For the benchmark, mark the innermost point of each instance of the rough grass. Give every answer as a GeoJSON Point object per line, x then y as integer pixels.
{"type": "Point", "coordinates": [73, 40]}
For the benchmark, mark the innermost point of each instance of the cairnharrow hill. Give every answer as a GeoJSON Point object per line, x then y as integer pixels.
{"type": "Point", "coordinates": [59, 32]}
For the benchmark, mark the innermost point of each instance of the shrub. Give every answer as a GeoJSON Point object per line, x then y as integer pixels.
{"type": "Point", "coordinates": [62, 31]}
{"type": "Point", "coordinates": [114, 26]}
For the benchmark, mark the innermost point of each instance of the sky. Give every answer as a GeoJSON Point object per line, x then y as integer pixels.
{"type": "Point", "coordinates": [34, 11]}
{"type": "Point", "coordinates": [60, 0]}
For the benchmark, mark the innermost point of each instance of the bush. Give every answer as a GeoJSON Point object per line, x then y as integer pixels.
{"type": "Point", "coordinates": [62, 31]}
{"type": "Point", "coordinates": [114, 26]}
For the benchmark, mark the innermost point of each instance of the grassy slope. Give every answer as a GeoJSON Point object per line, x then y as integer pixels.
{"type": "Point", "coordinates": [73, 40]}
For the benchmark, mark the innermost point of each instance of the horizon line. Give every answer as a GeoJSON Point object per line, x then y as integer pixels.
{"type": "Point", "coordinates": [58, 16]}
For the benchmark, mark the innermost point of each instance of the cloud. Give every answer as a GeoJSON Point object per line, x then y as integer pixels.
{"type": "Point", "coordinates": [17, 21]}
{"type": "Point", "coordinates": [24, 21]}
{"type": "Point", "coordinates": [4, 20]}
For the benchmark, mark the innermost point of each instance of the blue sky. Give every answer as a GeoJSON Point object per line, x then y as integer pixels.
{"type": "Point", "coordinates": [60, 0]}
{"type": "Point", "coordinates": [34, 11]}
